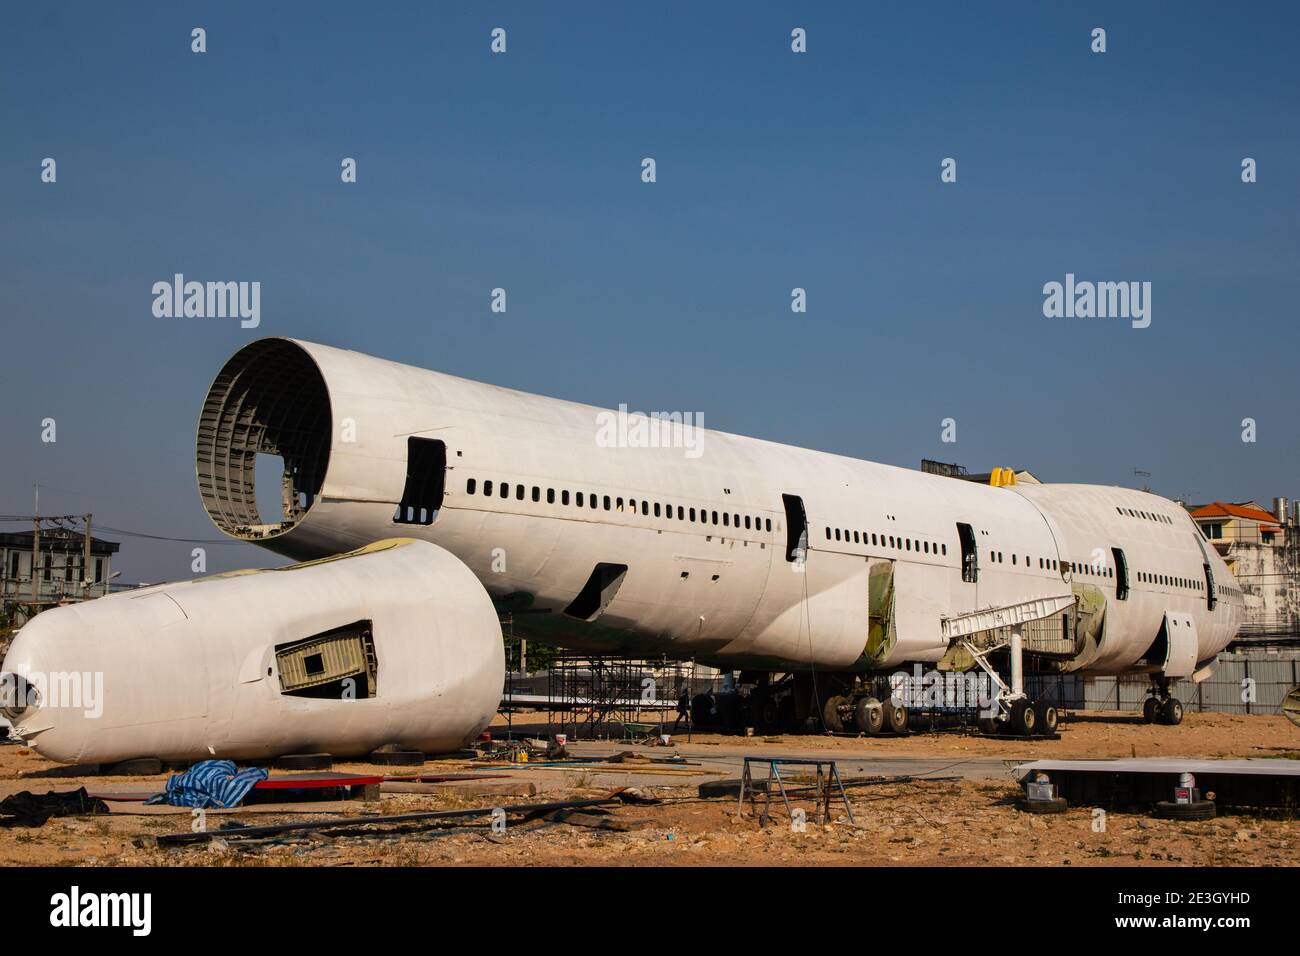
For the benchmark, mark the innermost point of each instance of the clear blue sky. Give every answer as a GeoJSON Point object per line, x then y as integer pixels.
{"type": "Point", "coordinates": [775, 170]}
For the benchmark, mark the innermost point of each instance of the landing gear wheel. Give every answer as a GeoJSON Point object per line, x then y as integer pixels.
{"type": "Point", "coordinates": [831, 714]}
{"type": "Point", "coordinates": [1200, 810]}
{"type": "Point", "coordinates": [1171, 712]}
{"type": "Point", "coordinates": [1023, 718]}
{"type": "Point", "coordinates": [766, 715]}
{"type": "Point", "coordinates": [1047, 717]}
{"type": "Point", "coordinates": [786, 719]}
{"type": "Point", "coordinates": [1151, 710]}
{"type": "Point", "coordinates": [990, 726]}
{"type": "Point", "coordinates": [896, 717]}
{"type": "Point", "coordinates": [869, 716]}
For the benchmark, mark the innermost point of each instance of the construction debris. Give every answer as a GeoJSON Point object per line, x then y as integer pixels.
{"type": "Point", "coordinates": [430, 818]}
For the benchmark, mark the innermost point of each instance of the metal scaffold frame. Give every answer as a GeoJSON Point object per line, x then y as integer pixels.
{"type": "Point", "coordinates": [616, 697]}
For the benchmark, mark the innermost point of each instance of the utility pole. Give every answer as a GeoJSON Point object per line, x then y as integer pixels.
{"type": "Point", "coordinates": [36, 550]}
{"type": "Point", "coordinates": [85, 561]}
{"type": "Point", "coordinates": [35, 562]}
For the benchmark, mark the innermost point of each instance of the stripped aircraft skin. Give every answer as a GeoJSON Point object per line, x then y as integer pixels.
{"type": "Point", "coordinates": [749, 554]}
{"type": "Point", "coordinates": [392, 644]}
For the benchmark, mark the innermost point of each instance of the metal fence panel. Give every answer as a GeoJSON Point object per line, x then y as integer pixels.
{"type": "Point", "coordinates": [1269, 677]}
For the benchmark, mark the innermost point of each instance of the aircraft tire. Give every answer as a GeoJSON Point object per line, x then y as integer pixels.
{"type": "Point", "coordinates": [896, 718]}
{"type": "Point", "coordinates": [1047, 717]}
{"type": "Point", "coordinates": [1023, 718]}
{"type": "Point", "coordinates": [1199, 810]}
{"type": "Point", "coordinates": [869, 716]}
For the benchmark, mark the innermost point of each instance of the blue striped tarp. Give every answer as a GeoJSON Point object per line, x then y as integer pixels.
{"type": "Point", "coordinates": [210, 784]}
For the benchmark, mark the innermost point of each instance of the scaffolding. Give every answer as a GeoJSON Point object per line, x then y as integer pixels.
{"type": "Point", "coordinates": [619, 698]}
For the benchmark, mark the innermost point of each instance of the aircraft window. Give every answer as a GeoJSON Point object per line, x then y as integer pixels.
{"type": "Point", "coordinates": [487, 487]}
{"type": "Point", "coordinates": [746, 522]}
{"type": "Point", "coordinates": [469, 486]}
{"type": "Point", "coordinates": [726, 519]}
{"type": "Point", "coordinates": [657, 510]}
{"type": "Point", "coordinates": [945, 549]}
{"type": "Point", "coordinates": [619, 503]}
{"type": "Point", "coordinates": [606, 502]}
{"type": "Point", "coordinates": [715, 517]}
{"type": "Point", "coordinates": [645, 508]}
{"type": "Point", "coordinates": [873, 537]}
{"type": "Point", "coordinates": [564, 497]}
{"type": "Point", "coordinates": [837, 534]}
{"type": "Point", "coordinates": [550, 496]}
{"type": "Point", "coordinates": [735, 521]}
{"type": "Point", "coordinates": [505, 489]}
{"type": "Point", "coordinates": [537, 493]}
{"type": "Point", "coordinates": [692, 514]}
{"type": "Point", "coordinates": [577, 498]}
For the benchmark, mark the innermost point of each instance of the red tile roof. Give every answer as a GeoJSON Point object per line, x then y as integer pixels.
{"type": "Point", "coordinates": [1221, 509]}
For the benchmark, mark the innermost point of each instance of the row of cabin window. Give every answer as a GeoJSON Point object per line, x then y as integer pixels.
{"type": "Point", "coordinates": [1170, 581]}
{"type": "Point", "coordinates": [1149, 515]}
{"type": "Point", "coordinates": [594, 501]}
{"type": "Point", "coordinates": [1225, 589]}
{"type": "Point", "coordinates": [885, 541]}
{"type": "Point", "coordinates": [1088, 567]}
{"type": "Point", "coordinates": [1051, 564]}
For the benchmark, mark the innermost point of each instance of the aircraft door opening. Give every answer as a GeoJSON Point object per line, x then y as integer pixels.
{"type": "Point", "coordinates": [970, 562]}
{"type": "Point", "coordinates": [426, 474]}
{"type": "Point", "coordinates": [796, 528]}
{"type": "Point", "coordinates": [1121, 574]}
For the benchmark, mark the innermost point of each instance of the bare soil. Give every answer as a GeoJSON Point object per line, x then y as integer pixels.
{"type": "Point", "coordinates": [961, 822]}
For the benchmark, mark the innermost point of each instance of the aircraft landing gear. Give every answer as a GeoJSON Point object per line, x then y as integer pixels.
{"type": "Point", "coordinates": [869, 716]}
{"type": "Point", "coordinates": [1162, 707]}
{"type": "Point", "coordinates": [1048, 717]}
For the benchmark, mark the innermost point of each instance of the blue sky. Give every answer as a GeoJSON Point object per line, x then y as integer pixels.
{"type": "Point", "coordinates": [775, 170]}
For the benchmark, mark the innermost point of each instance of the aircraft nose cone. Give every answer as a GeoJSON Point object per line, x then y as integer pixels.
{"type": "Point", "coordinates": [50, 685]}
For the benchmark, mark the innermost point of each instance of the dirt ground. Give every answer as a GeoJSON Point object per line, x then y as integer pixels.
{"type": "Point", "coordinates": [1094, 735]}
{"type": "Point", "coordinates": [924, 822]}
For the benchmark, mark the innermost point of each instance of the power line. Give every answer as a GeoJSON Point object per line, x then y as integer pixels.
{"type": "Point", "coordinates": [126, 532]}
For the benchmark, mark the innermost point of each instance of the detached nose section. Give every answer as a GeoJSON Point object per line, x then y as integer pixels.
{"type": "Point", "coordinates": [53, 710]}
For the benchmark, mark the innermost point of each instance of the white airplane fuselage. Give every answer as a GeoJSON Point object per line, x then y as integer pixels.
{"type": "Point", "coordinates": [705, 549]}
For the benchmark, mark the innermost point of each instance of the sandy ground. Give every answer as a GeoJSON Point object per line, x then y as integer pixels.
{"type": "Point", "coordinates": [972, 819]}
